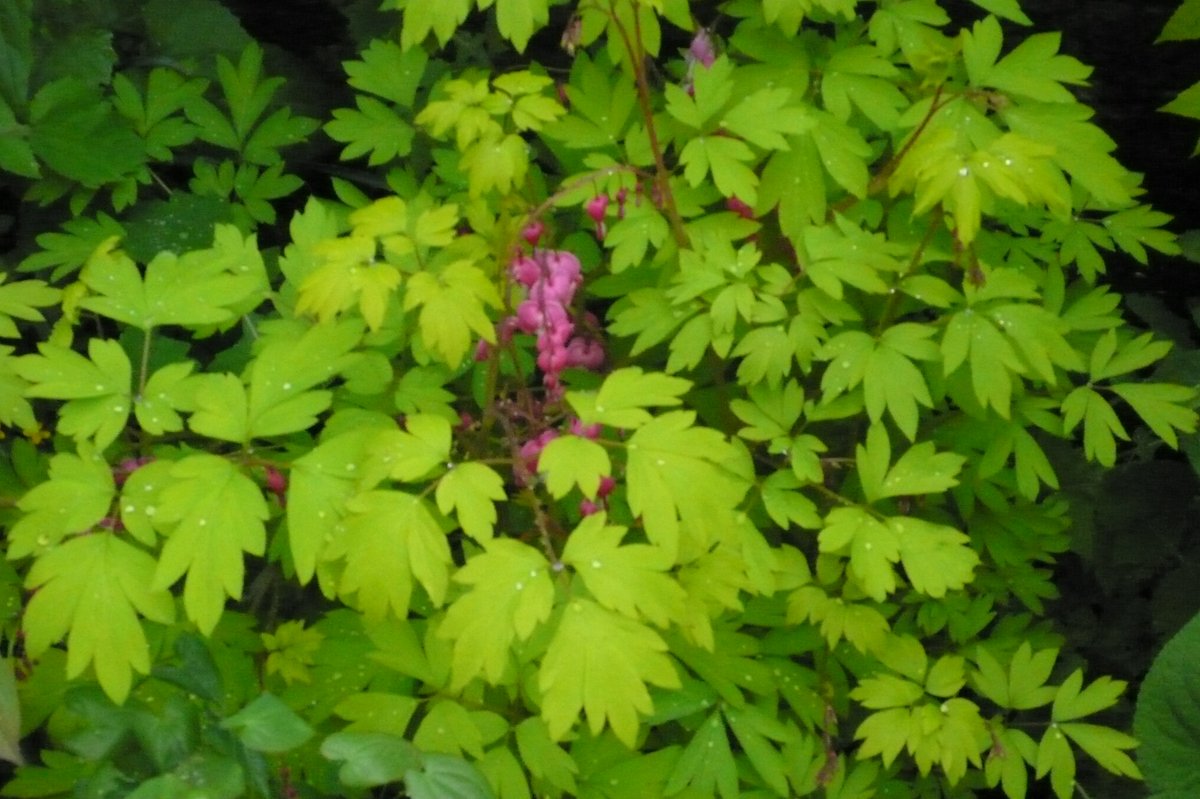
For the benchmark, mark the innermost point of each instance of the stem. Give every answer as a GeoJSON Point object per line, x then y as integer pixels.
{"type": "Point", "coordinates": [662, 175]}
{"type": "Point", "coordinates": [880, 180]}
{"type": "Point", "coordinates": [893, 302]}
{"type": "Point", "coordinates": [144, 367]}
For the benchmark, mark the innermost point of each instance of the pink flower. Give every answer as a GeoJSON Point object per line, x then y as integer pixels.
{"type": "Point", "coordinates": [585, 353]}
{"type": "Point", "coordinates": [525, 270]}
{"type": "Point", "coordinates": [596, 207]}
{"type": "Point", "coordinates": [702, 50]}
{"type": "Point", "coordinates": [532, 233]}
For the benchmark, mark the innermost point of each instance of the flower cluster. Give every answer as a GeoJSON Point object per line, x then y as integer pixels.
{"type": "Point", "coordinates": [551, 278]}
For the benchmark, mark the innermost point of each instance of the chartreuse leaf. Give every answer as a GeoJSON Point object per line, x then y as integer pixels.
{"type": "Point", "coordinates": [471, 490]}
{"type": "Point", "coordinates": [91, 590]}
{"type": "Point", "coordinates": [973, 339]}
{"type": "Point", "coordinates": [871, 546]}
{"type": "Point", "coordinates": [319, 484]}
{"type": "Point", "coordinates": [440, 19]}
{"type": "Point", "coordinates": [920, 470]}
{"type": "Point", "coordinates": [936, 558]}
{"type": "Point", "coordinates": [201, 287]}
{"type": "Point", "coordinates": [510, 596]}
{"type": "Point", "coordinates": [1055, 757]}
{"type": "Point", "coordinates": [631, 579]}
{"type": "Point", "coordinates": [390, 537]}
{"type": "Point", "coordinates": [1023, 686]}
{"type": "Point", "coordinates": [98, 387]}
{"type": "Point", "coordinates": [453, 306]}
{"type": "Point", "coordinates": [625, 394]}
{"type": "Point", "coordinates": [210, 514]}
{"type": "Point", "coordinates": [859, 623]}
{"type": "Point", "coordinates": [408, 455]}
{"type": "Point", "coordinates": [684, 481]}
{"type": "Point", "coordinates": [20, 300]}
{"type": "Point", "coordinates": [600, 662]}
{"type": "Point", "coordinates": [76, 496]}
{"type": "Point", "coordinates": [1168, 702]}
{"type": "Point", "coordinates": [450, 728]}
{"type": "Point", "coordinates": [572, 460]}
{"type": "Point", "coordinates": [268, 725]}
{"type": "Point", "coordinates": [290, 650]}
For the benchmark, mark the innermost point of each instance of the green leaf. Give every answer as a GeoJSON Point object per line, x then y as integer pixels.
{"type": "Point", "coordinates": [387, 70]}
{"type": "Point", "coordinates": [71, 121]}
{"type": "Point", "coordinates": [1035, 70]}
{"type": "Point", "coordinates": [471, 490]}
{"type": "Point", "coordinates": [632, 579]}
{"type": "Point", "coordinates": [624, 395]}
{"type": "Point", "coordinates": [544, 758]}
{"type": "Point", "coordinates": [572, 460]}
{"type": "Point", "coordinates": [1008, 9]}
{"type": "Point", "coordinates": [391, 537]}
{"type": "Point", "coordinates": [91, 590]}
{"type": "Point", "coordinates": [370, 759]}
{"type": "Point", "coordinates": [373, 129]}
{"type": "Point", "coordinates": [753, 728]}
{"type": "Point", "coordinates": [1167, 704]}
{"type": "Point", "coordinates": [210, 514]}
{"type": "Point", "coordinates": [446, 777]}
{"type": "Point", "coordinates": [374, 711]}
{"type": "Point", "coordinates": [1101, 426]}
{"type": "Point", "coordinates": [706, 764]}
{"type": "Point", "coordinates": [1165, 407]}
{"type": "Point", "coordinates": [268, 725]}
{"type": "Point", "coordinates": [600, 663]}
{"type": "Point", "coordinates": [511, 596]}
{"type": "Point", "coordinates": [726, 160]}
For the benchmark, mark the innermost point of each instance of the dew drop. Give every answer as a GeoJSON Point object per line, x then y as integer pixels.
{"type": "Point", "coordinates": [963, 171]}
{"type": "Point", "coordinates": [202, 523]}
{"type": "Point", "coordinates": [660, 462]}
{"type": "Point", "coordinates": [151, 510]}
{"type": "Point", "coordinates": [43, 540]}
{"type": "Point", "coordinates": [130, 508]}
{"type": "Point", "coordinates": [596, 564]}
{"type": "Point", "coordinates": [520, 586]}
{"type": "Point", "coordinates": [287, 386]}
